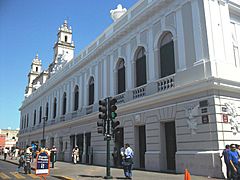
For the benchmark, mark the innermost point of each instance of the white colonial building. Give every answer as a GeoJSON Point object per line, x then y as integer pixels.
{"type": "Point", "coordinates": [174, 67]}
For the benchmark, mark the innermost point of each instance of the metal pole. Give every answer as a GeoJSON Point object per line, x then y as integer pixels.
{"type": "Point", "coordinates": [108, 137]}
{"type": "Point", "coordinates": [108, 172]}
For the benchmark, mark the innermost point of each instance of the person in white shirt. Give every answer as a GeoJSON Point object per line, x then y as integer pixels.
{"type": "Point", "coordinates": [127, 165]}
{"type": "Point", "coordinates": [75, 154]}
{"type": "Point", "coordinates": [16, 151]}
{"type": "Point", "coordinates": [5, 151]}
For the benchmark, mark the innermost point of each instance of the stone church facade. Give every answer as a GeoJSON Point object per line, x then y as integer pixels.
{"type": "Point", "coordinates": [174, 67]}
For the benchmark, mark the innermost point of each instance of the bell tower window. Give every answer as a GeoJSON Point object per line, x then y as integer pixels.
{"type": "Point", "coordinates": [65, 38]}
{"type": "Point", "coordinates": [36, 69]}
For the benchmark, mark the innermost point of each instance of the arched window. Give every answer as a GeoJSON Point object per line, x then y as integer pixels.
{"type": "Point", "coordinates": [141, 74]}
{"type": "Point", "coordinates": [34, 117]}
{"type": "Point", "coordinates": [167, 62]}
{"type": "Point", "coordinates": [91, 91]}
{"type": "Point", "coordinates": [40, 114]}
{"type": "Point", "coordinates": [55, 108]}
{"type": "Point", "coordinates": [64, 107]}
{"type": "Point", "coordinates": [65, 38]}
{"type": "Point", "coordinates": [121, 77]}
{"type": "Point", "coordinates": [46, 112]}
{"type": "Point", "coordinates": [76, 98]}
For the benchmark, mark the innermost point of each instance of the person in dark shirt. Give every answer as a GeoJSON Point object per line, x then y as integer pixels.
{"type": "Point", "coordinates": [233, 161]}
{"type": "Point", "coordinates": [21, 162]}
{"type": "Point", "coordinates": [225, 154]}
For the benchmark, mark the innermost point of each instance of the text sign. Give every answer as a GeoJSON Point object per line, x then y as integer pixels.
{"type": "Point", "coordinates": [43, 163]}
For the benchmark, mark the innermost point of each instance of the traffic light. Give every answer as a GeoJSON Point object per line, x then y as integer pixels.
{"type": "Point", "coordinates": [112, 114]}
{"type": "Point", "coordinates": [102, 117]}
{"type": "Point", "coordinates": [101, 126]}
{"type": "Point", "coordinates": [102, 109]}
{"type": "Point", "coordinates": [112, 108]}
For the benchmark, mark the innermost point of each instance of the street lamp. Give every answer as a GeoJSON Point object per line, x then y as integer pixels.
{"type": "Point", "coordinates": [43, 141]}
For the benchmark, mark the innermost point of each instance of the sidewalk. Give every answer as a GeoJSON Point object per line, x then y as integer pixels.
{"type": "Point", "coordinates": [70, 171]}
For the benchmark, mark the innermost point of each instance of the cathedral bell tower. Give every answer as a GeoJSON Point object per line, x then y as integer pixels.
{"type": "Point", "coordinates": [64, 46]}
{"type": "Point", "coordinates": [36, 67]}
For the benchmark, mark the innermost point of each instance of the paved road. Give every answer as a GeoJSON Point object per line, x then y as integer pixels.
{"type": "Point", "coordinates": [69, 171]}
{"type": "Point", "coordinates": [9, 171]}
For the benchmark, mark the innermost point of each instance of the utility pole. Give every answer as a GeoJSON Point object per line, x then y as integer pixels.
{"type": "Point", "coordinates": [108, 138]}
{"type": "Point", "coordinates": [107, 126]}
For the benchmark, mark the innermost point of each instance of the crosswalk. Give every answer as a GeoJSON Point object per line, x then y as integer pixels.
{"type": "Point", "coordinates": [16, 175]}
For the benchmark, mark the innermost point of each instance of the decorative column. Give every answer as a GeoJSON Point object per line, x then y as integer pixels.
{"type": "Point", "coordinates": [150, 57]}
{"type": "Point", "coordinates": [180, 46]}
{"type": "Point", "coordinates": [111, 69]}
{"type": "Point", "coordinates": [129, 74]}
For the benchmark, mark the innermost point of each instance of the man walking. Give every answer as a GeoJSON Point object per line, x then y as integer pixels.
{"type": "Point", "coordinates": [28, 157]}
{"type": "Point", "coordinates": [225, 154]}
{"type": "Point", "coordinates": [53, 155]}
{"type": "Point", "coordinates": [233, 160]}
{"type": "Point", "coordinates": [5, 152]}
{"type": "Point", "coordinates": [128, 161]}
{"type": "Point", "coordinates": [75, 154]}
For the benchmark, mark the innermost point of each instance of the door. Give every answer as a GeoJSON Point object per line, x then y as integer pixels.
{"type": "Point", "coordinates": [80, 145]}
{"type": "Point", "coordinates": [171, 147]}
{"type": "Point", "coordinates": [142, 146]}
{"type": "Point", "coordinates": [88, 147]}
{"type": "Point", "coordinates": [72, 142]}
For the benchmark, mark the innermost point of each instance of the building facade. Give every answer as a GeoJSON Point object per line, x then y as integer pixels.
{"type": "Point", "coordinates": [174, 67]}
{"type": "Point", "coordinates": [8, 138]}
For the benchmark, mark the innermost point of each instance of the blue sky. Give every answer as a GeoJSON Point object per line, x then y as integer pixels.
{"type": "Point", "coordinates": [28, 27]}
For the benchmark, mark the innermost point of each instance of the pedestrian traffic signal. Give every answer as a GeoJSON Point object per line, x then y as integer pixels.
{"type": "Point", "coordinates": [101, 126]}
{"type": "Point", "coordinates": [112, 108]}
{"type": "Point", "coordinates": [102, 109]}
{"type": "Point", "coordinates": [115, 124]}
{"type": "Point", "coordinates": [102, 117]}
{"type": "Point", "coordinates": [115, 128]}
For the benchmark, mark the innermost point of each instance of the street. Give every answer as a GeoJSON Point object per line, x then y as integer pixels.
{"type": "Point", "coordinates": [70, 171]}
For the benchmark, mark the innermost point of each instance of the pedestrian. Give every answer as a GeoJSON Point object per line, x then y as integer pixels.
{"type": "Point", "coordinates": [16, 152]}
{"type": "Point", "coordinates": [225, 154]}
{"type": "Point", "coordinates": [34, 149]}
{"type": "Point", "coordinates": [47, 151]}
{"type": "Point", "coordinates": [128, 161]}
{"type": "Point", "coordinates": [115, 157]}
{"type": "Point", "coordinates": [53, 155]}
{"type": "Point", "coordinates": [234, 162]}
{"type": "Point", "coordinates": [238, 149]}
{"type": "Point", "coordinates": [75, 154]}
{"type": "Point", "coordinates": [27, 158]}
{"type": "Point", "coordinates": [21, 162]}
{"type": "Point", "coordinates": [5, 152]}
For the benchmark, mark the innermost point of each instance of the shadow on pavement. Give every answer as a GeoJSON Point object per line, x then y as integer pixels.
{"type": "Point", "coordinates": [100, 177]}
{"type": "Point", "coordinates": [81, 175]}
